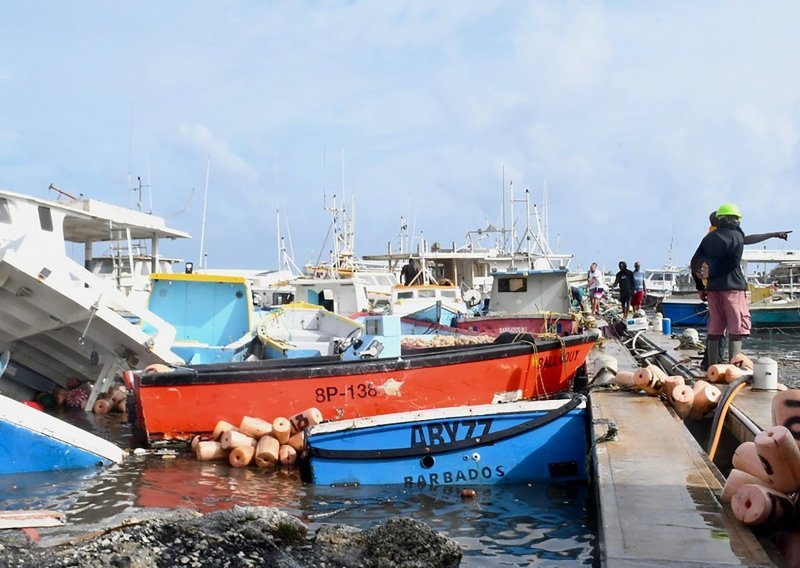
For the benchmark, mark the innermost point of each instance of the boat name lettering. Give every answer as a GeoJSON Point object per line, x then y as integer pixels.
{"type": "Point", "coordinates": [556, 359]}
{"type": "Point", "coordinates": [457, 476]}
{"type": "Point", "coordinates": [512, 329]}
{"type": "Point", "coordinates": [332, 392]}
{"type": "Point", "coordinates": [437, 433]}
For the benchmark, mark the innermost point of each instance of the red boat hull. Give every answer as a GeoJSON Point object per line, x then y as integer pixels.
{"type": "Point", "coordinates": [495, 325]}
{"type": "Point", "coordinates": [192, 400]}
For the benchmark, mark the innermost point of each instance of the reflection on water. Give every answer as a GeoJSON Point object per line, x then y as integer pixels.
{"type": "Point", "coordinates": [542, 524]}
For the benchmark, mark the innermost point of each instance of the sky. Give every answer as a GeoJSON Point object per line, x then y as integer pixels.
{"type": "Point", "coordinates": [639, 118]}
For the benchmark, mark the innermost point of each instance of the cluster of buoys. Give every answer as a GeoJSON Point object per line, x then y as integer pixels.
{"type": "Point", "coordinates": [763, 486]}
{"type": "Point", "coordinates": [113, 400]}
{"type": "Point", "coordinates": [256, 441]}
{"type": "Point", "coordinates": [689, 401]}
{"type": "Point", "coordinates": [445, 340]}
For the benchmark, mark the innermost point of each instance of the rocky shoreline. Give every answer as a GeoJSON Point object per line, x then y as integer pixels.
{"type": "Point", "coordinates": [239, 537]}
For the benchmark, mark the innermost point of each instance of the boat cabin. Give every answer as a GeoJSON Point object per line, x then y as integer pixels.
{"type": "Point", "coordinates": [530, 292]}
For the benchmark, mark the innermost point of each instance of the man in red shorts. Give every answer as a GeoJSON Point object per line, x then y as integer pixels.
{"type": "Point", "coordinates": [639, 288]}
{"type": "Point", "coordinates": [728, 308]}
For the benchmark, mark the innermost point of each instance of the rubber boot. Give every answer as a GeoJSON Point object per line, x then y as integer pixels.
{"type": "Point", "coordinates": [713, 351]}
{"type": "Point", "coordinates": [734, 347]}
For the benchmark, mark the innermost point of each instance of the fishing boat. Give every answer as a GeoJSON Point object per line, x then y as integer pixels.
{"type": "Point", "coordinates": [477, 445]}
{"type": "Point", "coordinates": [35, 441]}
{"type": "Point", "coordinates": [527, 301]}
{"type": "Point", "coordinates": [305, 330]}
{"type": "Point", "coordinates": [56, 317]}
{"type": "Point", "coordinates": [187, 400]}
{"type": "Point", "coordinates": [428, 302]}
{"type": "Point", "coordinates": [213, 315]}
{"type": "Point", "coordinates": [690, 311]}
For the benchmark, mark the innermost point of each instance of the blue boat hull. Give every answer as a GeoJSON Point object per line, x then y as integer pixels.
{"type": "Point", "coordinates": [488, 444]}
{"type": "Point", "coordinates": [693, 312]}
{"type": "Point", "coordinates": [31, 440]}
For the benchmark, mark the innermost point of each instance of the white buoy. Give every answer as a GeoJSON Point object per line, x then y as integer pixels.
{"type": "Point", "coordinates": [765, 374]}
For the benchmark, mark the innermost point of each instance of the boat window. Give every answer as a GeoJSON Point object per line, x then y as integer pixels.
{"type": "Point", "coordinates": [658, 277]}
{"type": "Point", "coordinates": [427, 293]}
{"type": "Point", "coordinates": [383, 280]}
{"type": "Point", "coordinates": [448, 293]}
{"type": "Point", "coordinates": [512, 285]}
{"type": "Point", "coordinates": [668, 277]}
{"type": "Point", "coordinates": [45, 219]}
{"type": "Point", "coordinates": [405, 295]}
{"type": "Point", "coordinates": [5, 211]}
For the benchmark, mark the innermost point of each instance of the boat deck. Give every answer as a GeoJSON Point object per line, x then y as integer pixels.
{"type": "Point", "coordinates": [657, 490]}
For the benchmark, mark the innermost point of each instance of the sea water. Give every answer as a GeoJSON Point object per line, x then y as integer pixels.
{"type": "Point", "coordinates": [540, 524]}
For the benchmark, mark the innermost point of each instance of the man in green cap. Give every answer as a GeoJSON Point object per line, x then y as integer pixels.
{"type": "Point", "coordinates": [725, 291]}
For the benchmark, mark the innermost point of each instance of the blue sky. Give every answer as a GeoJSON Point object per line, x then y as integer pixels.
{"type": "Point", "coordinates": [642, 117]}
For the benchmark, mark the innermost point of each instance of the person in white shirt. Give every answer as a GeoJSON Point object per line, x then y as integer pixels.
{"type": "Point", "coordinates": [595, 286]}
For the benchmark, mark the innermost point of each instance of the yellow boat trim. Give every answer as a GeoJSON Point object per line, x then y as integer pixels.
{"type": "Point", "coordinates": [201, 278]}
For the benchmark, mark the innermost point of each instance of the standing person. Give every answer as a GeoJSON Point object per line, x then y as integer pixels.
{"type": "Point", "coordinates": [595, 286]}
{"type": "Point", "coordinates": [639, 288]}
{"type": "Point", "coordinates": [728, 308]}
{"type": "Point", "coordinates": [409, 272]}
{"type": "Point", "coordinates": [624, 279]}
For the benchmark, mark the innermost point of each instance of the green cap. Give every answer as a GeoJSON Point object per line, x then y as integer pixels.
{"type": "Point", "coordinates": [728, 210]}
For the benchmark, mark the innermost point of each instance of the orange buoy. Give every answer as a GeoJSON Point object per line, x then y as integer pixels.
{"type": "Point", "coordinates": [222, 426]}
{"type": "Point", "coordinates": [716, 373]}
{"type": "Point", "coordinates": [657, 371]}
{"type": "Point", "coordinates": [241, 457]}
{"type": "Point", "coordinates": [210, 450]}
{"type": "Point", "coordinates": [158, 368]}
{"type": "Point", "coordinates": [309, 417]}
{"type": "Point", "coordinates": [102, 406]}
{"type": "Point", "coordinates": [255, 427]}
{"type": "Point", "coordinates": [267, 451]}
{"type": "Point", "coordinates": [281, 429]}
{"type": "Point", "coordinates": [624, 378]}
{"type": "Point", "coordinates": [782, 387]}
{"type": "Point", "coordinates": [468, 494]}
{"type": "Point", "coordinates": [737, 478]}
{"type": "Point", "coordinates": [287, 455]}
{"type": "Point", "coordinates": [197, 439]}
{"type": "Point", "coordinates": [706, 397]}
{"type": "Point", "coordinates": [733, 372]}
{"type": "Point", "coordinates": [786, 410]}
{"type": "Point", "coordinates": [746, 459]}
{"type": "Point", "coordinates": [121, 406]}
{"type": "Point", "coordinates": [759, 506]}
{"type": "Point", "coordinates": [742, 361]}
{"type": "Point", "coordinates": [119, 394]}
{"type": "Point", "coordinates": [298, 441]}
{"type": "Point", "coordinates": [233, 439]}
{"type": "Point", "coordinates": [641, 377]}
{"type": "Point", "coordinates": [682, 399]}
{"type": "Point", "coordinates": [780, 456]}
{"type": "Point", "coordinates": [670, 383]}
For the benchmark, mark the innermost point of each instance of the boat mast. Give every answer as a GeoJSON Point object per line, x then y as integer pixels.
{"type": "Point", "coordinates": [203, 222]}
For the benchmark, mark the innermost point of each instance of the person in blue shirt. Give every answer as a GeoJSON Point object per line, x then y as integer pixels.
{"type": "Point", "coordinates": [639, 288]}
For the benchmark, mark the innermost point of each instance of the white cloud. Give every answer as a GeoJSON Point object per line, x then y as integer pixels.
{"type": "Point", "coordinates": [200, 138]}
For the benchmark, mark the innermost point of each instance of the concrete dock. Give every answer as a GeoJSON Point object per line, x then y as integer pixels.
{"type": "Point", "coordinates": [657, 491]}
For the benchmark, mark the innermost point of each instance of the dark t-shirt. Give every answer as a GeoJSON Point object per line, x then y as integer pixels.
{"type": "Point", "coordinates": [625, 280]}
{"type": "Point", "coordinates": [722, 251]}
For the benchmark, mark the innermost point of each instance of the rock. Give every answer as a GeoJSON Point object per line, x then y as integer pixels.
{"type": "Point", "coordinates": [241, 536]}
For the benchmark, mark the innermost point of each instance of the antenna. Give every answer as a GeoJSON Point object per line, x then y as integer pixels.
{"type": "Point", "coordinates": [203, 256]}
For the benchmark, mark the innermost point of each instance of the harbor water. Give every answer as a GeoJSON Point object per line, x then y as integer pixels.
{"type": "Point", "coordinates": [537, 524]}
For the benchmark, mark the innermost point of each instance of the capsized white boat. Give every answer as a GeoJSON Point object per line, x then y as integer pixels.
{"type": "Point", "coordinates": [56, 317]}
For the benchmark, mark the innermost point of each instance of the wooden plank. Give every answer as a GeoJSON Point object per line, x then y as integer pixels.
{"type": "Point", "coordinates": [29, 519]}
